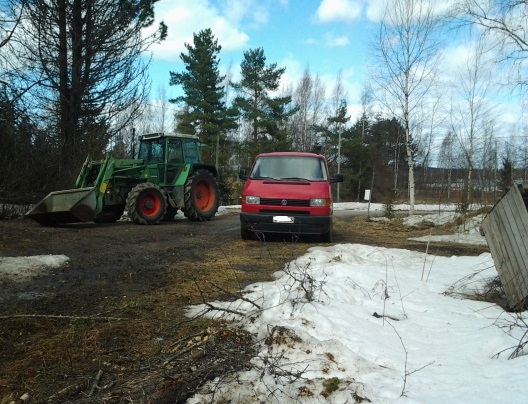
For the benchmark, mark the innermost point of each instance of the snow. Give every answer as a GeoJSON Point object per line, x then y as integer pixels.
{"type": "Point", "coordinates": [387, 325]}
{"type": "Point", "coordinates": [352, 322]}
{"type": "Point", "coordinates": [23, 268]}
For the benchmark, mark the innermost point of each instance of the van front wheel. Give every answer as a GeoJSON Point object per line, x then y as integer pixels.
{"type": "Point", "coordinates": [246, 234]}
{"type": "Point", "coordinates": [328, 236]}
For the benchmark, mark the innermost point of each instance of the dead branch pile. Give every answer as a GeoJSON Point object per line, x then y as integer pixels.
{"type": "Point", "coordinates": [183, 366]}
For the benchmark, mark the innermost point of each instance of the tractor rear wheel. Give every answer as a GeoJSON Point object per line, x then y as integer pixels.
{"type": "Point", "coordinates": [146, 204]}
{"type": "Point", "coordinates": [201, 196]}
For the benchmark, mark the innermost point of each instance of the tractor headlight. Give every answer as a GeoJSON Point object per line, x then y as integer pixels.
{"type": "Point", "coordinates": [251, 200]}
{"type": "Point", "coordinates": [319, 202]}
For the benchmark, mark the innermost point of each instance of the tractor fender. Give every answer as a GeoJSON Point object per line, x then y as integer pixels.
{"type": "Point", "coordinates": [210, 168]}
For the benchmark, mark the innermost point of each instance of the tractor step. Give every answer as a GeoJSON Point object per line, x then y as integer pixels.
{"type": "Point", "coordinates": [68, 206]}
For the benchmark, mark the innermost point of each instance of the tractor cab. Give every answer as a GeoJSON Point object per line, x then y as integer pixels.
{"type": "Point", "coordinates": [161, 148]}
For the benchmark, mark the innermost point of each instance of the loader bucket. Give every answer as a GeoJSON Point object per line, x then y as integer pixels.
{"type": "Point", "coordinates": [69, 206]}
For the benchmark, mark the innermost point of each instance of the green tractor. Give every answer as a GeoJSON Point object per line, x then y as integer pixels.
{"type": "Point", "coordinates": [166, 175]}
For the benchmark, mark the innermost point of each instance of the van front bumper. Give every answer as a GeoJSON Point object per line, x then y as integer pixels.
{"type": "Point", "coordinates": [301, 224]}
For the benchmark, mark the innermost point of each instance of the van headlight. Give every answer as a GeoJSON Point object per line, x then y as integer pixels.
{"type": "Point", "coordinates": [319, 202]}
{"type": "Point", "coordinates": [251, 200]}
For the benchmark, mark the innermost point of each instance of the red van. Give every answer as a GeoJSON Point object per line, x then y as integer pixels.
{"type": "Point", "coordinates": [287, 192]}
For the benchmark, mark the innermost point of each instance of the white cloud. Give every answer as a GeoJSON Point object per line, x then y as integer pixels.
{"type": "Point", "coordinates": [336, 41]}
{"type": "Point", "coordinates": [186, 17]}
{"type": "Point", "coordinates": [254, 13]}
{"type": "Point", "coordinates": [375, 9]}
{"type": "Point", "coordinates": [292, 75]}
{"type": "Point", "coordinates": [338, 10]}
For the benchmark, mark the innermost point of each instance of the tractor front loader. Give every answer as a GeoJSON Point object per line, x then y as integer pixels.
{"type": "Point", "coordinates": [166, 175]}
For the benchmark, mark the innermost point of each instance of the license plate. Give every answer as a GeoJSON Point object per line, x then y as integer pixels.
{"type": "Point", "coordinates": [282, 219]}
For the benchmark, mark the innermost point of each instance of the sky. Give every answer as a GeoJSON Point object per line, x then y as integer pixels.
{"type": "Point", "coordinates": [391, 325]}
{"type": "Point", "coordinates": [327, 37]}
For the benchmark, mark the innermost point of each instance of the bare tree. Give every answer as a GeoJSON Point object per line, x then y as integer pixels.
{"type": "Point", "coordinates": [301, 97]}
{"type": "Point", "coordinates": [366, 114]}
{"type": "Point", "coordinates": [472, 108]}
{"type": "Point", "coordinates": [162, 112]}
{"type": "Point", "coordinates": [11, 12]}
{"type": "Point", "coordinates": [406, 57]}
{"type": "Point", "coordinates": [309, 96]}
{"type": "Point", "coordinates": [85, 58]}
{"type": "Point", "coordinates": [432, 118]}
{"type": "Point", "coordinates": [10, 16]}
{"type": "Point", "coordinates": [504, 25]}
{"type": "Point", "coordinates": [488, 162]}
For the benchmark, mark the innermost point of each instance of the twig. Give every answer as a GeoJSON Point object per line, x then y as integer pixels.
{"type": "Point", "coordinates": [212, 307]}
{"type": "Point", "coordinates": [60, 316]}
{"type": "Point", "coordinates": [406, 359]}
{"type": "Point", "coordinates": [96, 382]}
{"type": "Point", "coordinates": [399, 290]}
{"type": "Point", "coordinates": [430, 268]}
{"type": "Point", "coordinates": [235, 296]}
{"type": "Point", "coordinates": [426, 251]}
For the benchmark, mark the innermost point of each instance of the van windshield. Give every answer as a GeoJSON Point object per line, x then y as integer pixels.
{"type": "Point", "coordinates": [289, 168]}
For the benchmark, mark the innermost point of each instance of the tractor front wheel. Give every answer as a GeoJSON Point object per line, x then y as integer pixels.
{"type": "Point", "coordinates": [201, 197]}
{"type": "Point", "coordinates": [146, 204]}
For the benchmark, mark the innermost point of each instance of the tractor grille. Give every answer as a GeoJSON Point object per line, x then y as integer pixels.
{"type": "Point", "coordinates": [289, 202]}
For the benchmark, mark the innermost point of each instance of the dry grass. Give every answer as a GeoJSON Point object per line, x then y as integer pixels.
{"type": "Point", "coordinates": [60, 358]}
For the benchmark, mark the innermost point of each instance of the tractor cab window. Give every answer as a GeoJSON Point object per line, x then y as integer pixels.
{"type": "Point", "coordinates": [190, 151]}
{"type": "Point", "coordinates": [175, 154]}
{"type": "Point", "coordinates": [151, 151]}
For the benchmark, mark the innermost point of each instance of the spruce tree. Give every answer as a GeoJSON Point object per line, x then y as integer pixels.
{"type": "Point", "coordinates": [265, 115]}
{"type": "Point", "coordinates": [204, 112]}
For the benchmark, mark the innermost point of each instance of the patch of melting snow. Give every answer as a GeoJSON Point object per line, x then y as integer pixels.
{"type": "Point", "coordinates": [466, 233]}
{"type": "Point", "coordinates": [23, 268]}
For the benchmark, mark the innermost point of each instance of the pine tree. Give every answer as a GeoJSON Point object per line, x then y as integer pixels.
{"type": "Point", "coordinates": [264, 114]}
{"type": "Point", "coordinates": [83, 67]}
{"type": "Point", "coordinates": [204, 112]}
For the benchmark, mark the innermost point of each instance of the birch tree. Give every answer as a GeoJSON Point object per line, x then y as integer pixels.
{"type": "Point", "coordinates": [472, 108]}
{"type": "Point", "coordinates": [405, 51]}
{"type": "Point", "coordinates": [309, 96]}
{"type": "Point", "coordinates": [504, 24]}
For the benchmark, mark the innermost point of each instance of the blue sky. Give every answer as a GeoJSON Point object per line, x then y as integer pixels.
{"type": "Point", "coordinates": [325, 36]}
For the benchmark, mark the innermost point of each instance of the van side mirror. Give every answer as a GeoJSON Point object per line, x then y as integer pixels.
{"type": "Point", "coordinates": [242, 174]}
{"type": "Point", "coordinates": [336, 178]}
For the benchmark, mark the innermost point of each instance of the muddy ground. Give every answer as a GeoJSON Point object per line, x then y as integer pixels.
{"type": "Point", "coordinates": [110, 325]}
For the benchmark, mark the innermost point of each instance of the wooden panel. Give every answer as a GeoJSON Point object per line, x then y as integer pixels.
{"type": "Point", "coordinates": [506, 231]}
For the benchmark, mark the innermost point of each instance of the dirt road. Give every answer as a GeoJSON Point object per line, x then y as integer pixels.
{"type": "Point", "coordinates": [107, 261]}
{"type": "Point", "coordinates": [101, 327]}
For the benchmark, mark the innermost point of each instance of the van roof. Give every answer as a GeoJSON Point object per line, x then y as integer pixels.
{"type": "Point", "coordinates": [290, 154]}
